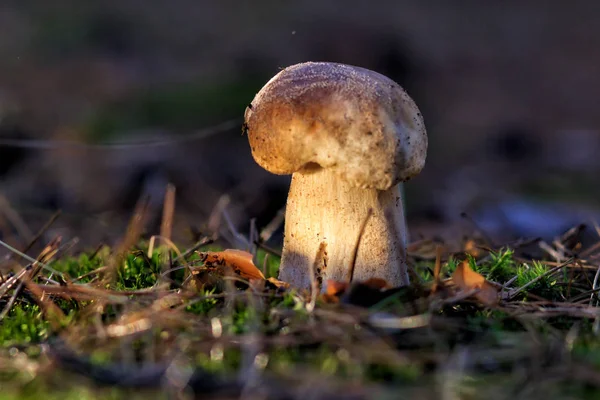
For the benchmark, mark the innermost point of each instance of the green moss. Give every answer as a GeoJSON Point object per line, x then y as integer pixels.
{"type": "Point", "coordinates": [501, 267]}
{"type": "Point", "coordinates": [83, 264]}
{"type": "Point", "coordinates": [203, 306]}
{"type": "Point", "coordinates": [138, 271]}
{"type": "Point", "coordinates": [24, 324]}
{"type": "Point", "coordinates": [307, 341]}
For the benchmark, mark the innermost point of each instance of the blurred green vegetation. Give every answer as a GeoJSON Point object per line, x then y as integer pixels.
{"type": "Point", "coordinates": [178, 107]}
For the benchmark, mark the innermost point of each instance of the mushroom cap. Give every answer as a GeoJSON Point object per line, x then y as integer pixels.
{"type": "Point", "coordinates": [357, 122]}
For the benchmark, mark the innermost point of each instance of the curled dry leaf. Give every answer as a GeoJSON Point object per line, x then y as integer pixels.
{"type": "Point", "coordinates": [466, 279]}
{"type": "Point", "coordinates": [377, 283]}
{"type": "Point", "coordinates": [473, 248]}
{"type": "Point", "coordinates": [333, 291]}
{"type": "Point", "coordinates": [335, 288]}
{"type": "Point", "coordinates": [238, 260]}
{"type": "Point", "coordinates": [279, 284]}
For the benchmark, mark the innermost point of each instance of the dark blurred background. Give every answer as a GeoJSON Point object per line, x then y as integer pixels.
{"type": "Point", "coordinates": [509, 91]}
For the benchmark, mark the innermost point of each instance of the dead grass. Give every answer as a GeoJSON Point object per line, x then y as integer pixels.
{"type": "Point", "coordinates": [155, 321]}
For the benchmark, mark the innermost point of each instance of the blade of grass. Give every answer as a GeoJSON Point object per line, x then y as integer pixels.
{"type": "Point", "coordinates": [134, 230]}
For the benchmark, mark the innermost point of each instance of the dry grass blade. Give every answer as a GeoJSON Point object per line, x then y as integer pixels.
{"type": "Point", "coordinates": [43, 230]}
{"type": "Point", "coordinates": [9, 283]}
{"type": "Point", "coordinates": [252, 239]}
{"type": "Point", "coordinates": [437, 269]}
{"type": "Point", "coordinates": [272, 226]}
{"type": "Point", "coordinates": [166, 227]}
{"type": "Point", "coordinates": [15, 219]}
{"type": "Point", "coordinates": [199, 134]}
{"type": "Point", "coordinates": [134, 230]}
{"type": "Point", "coordinates": [548, 249]}
{"type": "Point", "coordinates": [167, 242]}
{"type": "Point", "coordinates": [33, 270]}
{"type": "Point", "coordinates": [52, 312]}
{"type": "Point", "coordinates": [268, 249]}
{"type": "Point", "coordinates": [46, 255]}
{"type": "Point", "coordinates": [85, 293]}
{"type": "Point", "coordinates": [75, 290]}
{"type": "Point", "coordinates": [214, 220]}
{"type": "Point", "coordinates": [11, 301]}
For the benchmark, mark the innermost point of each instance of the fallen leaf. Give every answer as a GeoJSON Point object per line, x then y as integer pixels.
{"type": "Point", "coordinates": [205, 278]}
{"type": "Point", "coordinates": [329, 299]}
{"type": "Point", "coordinates": [377, 283]}
{"type": "Point", "coordinates": [279, 284]}
{"type": "Point", "coordinates": [240, 261]}
{"type": "Point", "coordinates": [472, 248]}
{"type": "Point", "coordinates": [257, 285]}
{"type": "Point", "coordinates": [467, 279]}
{"type": "Point", "coordinates": [335, 288]}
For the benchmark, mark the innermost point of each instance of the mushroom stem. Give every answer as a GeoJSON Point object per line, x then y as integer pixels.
{"type": "Point", "coordinates": [322, 208]}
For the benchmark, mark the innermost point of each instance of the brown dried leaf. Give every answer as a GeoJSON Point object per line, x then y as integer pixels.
{"type": "Point", "coordinates": [467, 279]}
{"type": "Point", "coordinates": [335, 288]}
{"type": "Point", "coordinates": [471, 247]}
{"type": "Point", "coordinates": [329, 299]}
{"type": "Point", "coordinates": [257, 285]}
{"type": "Point", "coordinates": [240, 261]}
{"type": "Point", "coordinates": [279, 284]}
{"type": "Point", "coordinates": [377, 283]}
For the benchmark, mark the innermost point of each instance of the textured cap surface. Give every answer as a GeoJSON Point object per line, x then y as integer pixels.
{"type": "Point", "coordinates": [354, 121]}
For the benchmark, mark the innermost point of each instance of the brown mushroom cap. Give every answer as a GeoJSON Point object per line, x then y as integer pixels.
{"type": "Point", "coordinates": [354, 121]}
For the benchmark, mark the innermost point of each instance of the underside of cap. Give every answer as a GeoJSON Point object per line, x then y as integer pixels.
{"type": "Point", "coordinates": [354, 121]}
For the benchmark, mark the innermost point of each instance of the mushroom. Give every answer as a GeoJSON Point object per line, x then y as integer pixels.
{"type": "Point", "coordinates": [349, 136]}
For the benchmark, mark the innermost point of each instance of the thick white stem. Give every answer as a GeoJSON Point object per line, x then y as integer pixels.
{"type": "Point", "coordinates": [323, 209]}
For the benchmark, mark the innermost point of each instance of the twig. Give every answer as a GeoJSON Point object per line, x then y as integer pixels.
{"type": "Point", "coordinates": [241, 240]}
{"type": "Point", "coordinates": [268, 249]}
{"type": "Point", "coordinates": [166, 225]}
{"type": "Point", "coordinates": [43, 230]}
{"type": "Point", "coordinates": [483, 233]}
{"type": "Point", "coordinates": [12, 300]}
{"type": "Point", "coordinates": [203, 242]}
{"type": "Point", "coordinates": [546, 247]}
{"type": "Point", "coordinates": [265, 265]}
{"type": "Point", "coordinates": [252, 239]}
{"type": "Point", "coordinates": [595, 284]}
{"type": "Point", "coordinates": [15, 219]}
{"type": "Point", "coordinates": [272, 226]}
{"type": "Point", "coordinates": [31, 259]}
{"type": "Point", "coordinates": [61, 144]}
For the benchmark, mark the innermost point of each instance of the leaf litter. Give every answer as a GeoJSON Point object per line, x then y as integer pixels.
{"type": "Point", "coordinates": [489, 322]}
